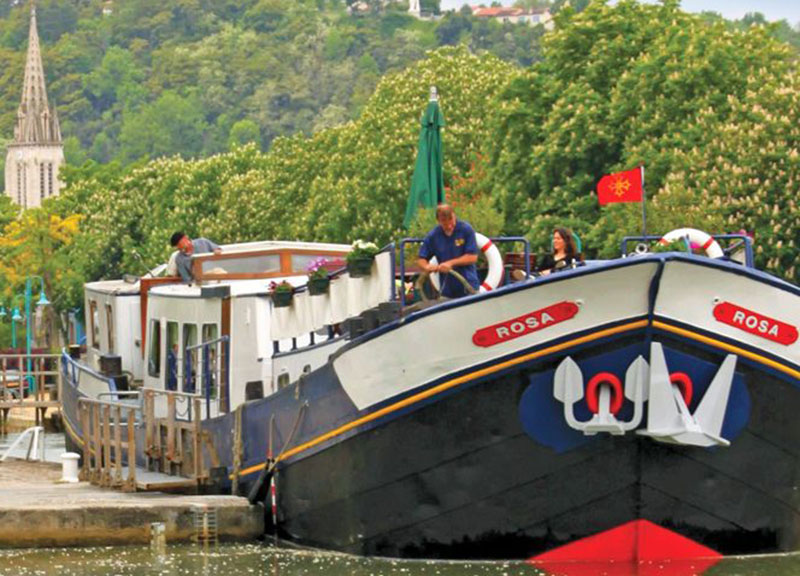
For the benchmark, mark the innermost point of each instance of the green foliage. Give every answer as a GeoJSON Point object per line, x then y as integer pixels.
{"type": "Point", "coordinates": [164, 77]}
{"type": "Point", "coordinates": [711, 113]}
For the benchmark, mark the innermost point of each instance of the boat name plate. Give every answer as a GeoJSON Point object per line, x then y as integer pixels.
{"type": "Point", "coordinates": [755, 323]}
{"type": "Point", "coordinates": [525, 324]}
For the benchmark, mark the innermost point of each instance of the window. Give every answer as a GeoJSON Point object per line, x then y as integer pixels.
{"type": "Point", "coordinates": [41, 181]}
{"type": "Point", "coordinates": [94, 318]}
{"type": "Point", "coordinates": [50, 179]}
{"type": "Point", "coordinates": [173, 356]}
{"type": "Point", "coordinates": [190, 362]}
{"type": "Point", "coordinates": [110, 328]}
{"type": "Point", "coordinates": [251, 264]}
{"type": "Point", "coordinates": [154, 358]}
{"type": "Point", "coordinates": [209, 335]}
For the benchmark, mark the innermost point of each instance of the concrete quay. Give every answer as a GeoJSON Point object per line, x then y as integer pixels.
{"type": "Point", "coordinates": [37, 510]}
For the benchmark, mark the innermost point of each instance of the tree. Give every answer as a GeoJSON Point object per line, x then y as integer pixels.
{"type": "Point", "coordinates": [632, 84]}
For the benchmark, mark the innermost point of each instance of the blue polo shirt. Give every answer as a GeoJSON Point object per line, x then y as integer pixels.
{"type": "Point", "coordinates": [461, 241]}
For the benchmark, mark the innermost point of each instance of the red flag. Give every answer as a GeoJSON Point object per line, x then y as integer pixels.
{"type": "Point", "coordinates": [620, 187]}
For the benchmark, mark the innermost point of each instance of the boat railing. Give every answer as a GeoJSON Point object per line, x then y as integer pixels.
{"type": "Point", "coordinates": [105, 449]}
{"type": "Point", "coordinates": [83, 378]}
{"type": "Point", "coordinates": [211, 360]}
{"type": "Point", "coordinates": [496, 240]}
{"type": "Point", "coordinates": [735, 243]}
{"type": "Point", "coordinates": [166, 442]}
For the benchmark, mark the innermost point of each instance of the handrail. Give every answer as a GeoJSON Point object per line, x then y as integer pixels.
{"type": "Point", "coordinates": [160, 392]}
{"type": "Point", "coordinates": [78, 367]}
{"type": "Point", "coordinates": [495, 240]}
{"type": "Point", "coordinates": [743, 239]}
{"type": "Point", "coordinates": [206, 371]}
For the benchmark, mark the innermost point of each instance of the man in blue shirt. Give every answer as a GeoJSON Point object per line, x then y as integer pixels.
{"type": "Point", "coordinates": [454, 245]}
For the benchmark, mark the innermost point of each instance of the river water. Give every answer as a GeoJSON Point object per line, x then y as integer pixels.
{"type": "Point", "coordinates": [268, 560]}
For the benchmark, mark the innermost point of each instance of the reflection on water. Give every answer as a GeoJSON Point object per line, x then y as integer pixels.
{"type": "Point", "coordinates": [54, 445]}
{"type": "Point", "coordinates": [257, 560]}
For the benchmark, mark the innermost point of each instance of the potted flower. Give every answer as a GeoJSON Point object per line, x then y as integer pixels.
{"type": "Point", "coordinates": [318, 279]}
{"type": "Point", "coordinates": [359, 259]}
{"type": "Point", "coordinates": [281, 293]}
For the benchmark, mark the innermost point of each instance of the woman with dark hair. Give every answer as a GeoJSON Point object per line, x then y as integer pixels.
{"type": "Point", "coordinates": [565, 254]}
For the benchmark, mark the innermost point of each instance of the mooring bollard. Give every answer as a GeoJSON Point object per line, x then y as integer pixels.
{"type": "Point", "coordinates": [69, 467]}
{"type": "Point", "coordinates": [158, 537]}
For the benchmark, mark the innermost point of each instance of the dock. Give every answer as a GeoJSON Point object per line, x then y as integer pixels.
{"type": "Point", "coordinates": [37, 510]}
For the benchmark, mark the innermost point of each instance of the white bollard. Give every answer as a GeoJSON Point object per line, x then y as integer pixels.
{"type": "Point", "coordinates": [69, 467]}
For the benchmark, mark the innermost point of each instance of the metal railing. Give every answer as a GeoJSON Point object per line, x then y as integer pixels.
{"type": "Point", "coordinates": [213, 366]}
{"type": "Point", "coordinates": [739, 242]}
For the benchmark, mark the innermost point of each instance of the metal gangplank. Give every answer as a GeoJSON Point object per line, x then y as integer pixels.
{"type": "Point", "coordinates": [171, 457]}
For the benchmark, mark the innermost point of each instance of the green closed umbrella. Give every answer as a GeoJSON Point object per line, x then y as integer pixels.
{"type": "Point", "coordinates": [427, 184]}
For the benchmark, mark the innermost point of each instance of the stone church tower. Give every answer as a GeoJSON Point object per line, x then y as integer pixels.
{"type": "Point", "coordinates": [37, 153]}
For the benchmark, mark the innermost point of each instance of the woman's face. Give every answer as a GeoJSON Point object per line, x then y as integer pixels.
{"type": "Point", "coordinates": [558, 242]}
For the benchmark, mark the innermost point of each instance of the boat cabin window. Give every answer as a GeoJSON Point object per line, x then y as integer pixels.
{"type": "Point", "coordinates": [110, 328]}
{"type": "Point", "coordinates": [210, 333]}
{"type": "Point", "coordinates": [252, 264]}
{"type": "Point", "coordinates": [94, 318]}
{"type": "Point", "coordinates": [173, 356]}
{"type": "Point", "coordinates": [154, 358]}
{"type": "Point", "coordinates": [190, 362]}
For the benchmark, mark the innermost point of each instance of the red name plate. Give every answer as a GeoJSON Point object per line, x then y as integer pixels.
{"type": "Point", "coordinates": [522, 325]}
{"type": "Point", "coordinates": [755, 323]}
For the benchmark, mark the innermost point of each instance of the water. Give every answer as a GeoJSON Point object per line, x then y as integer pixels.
{"type": "Point", "coordinates": [267, 560]}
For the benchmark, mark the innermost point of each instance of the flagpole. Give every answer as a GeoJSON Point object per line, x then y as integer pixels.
{"type": "Point", "coordinates": [644, 206]}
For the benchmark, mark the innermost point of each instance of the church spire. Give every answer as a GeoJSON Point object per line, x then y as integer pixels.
{"type": "Point", "coordinates": [36, 122]}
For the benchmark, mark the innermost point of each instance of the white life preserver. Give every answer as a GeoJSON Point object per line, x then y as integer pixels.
{"type": "Point", "coordinates": [495, 274]}
{"type": "Point", "coordinates": [698, 237]}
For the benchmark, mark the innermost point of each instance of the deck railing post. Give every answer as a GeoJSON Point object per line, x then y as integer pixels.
{"type": "Point", "coordinates": [98, 457]}
{"type": "Point", "coordinates": [170, 430]}
{"type": "Point", "coordinates": [131, 483]}
{"type": "Point", "coordinates": [84, 414]}
{"type": "Point", "coordinates": [106, 477]}
{"type": "Point", "coordinates": [117, 445]}
{"type": "Point", "coordinates": [197, 446]}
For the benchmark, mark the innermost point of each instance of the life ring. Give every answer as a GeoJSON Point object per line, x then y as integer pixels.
{"type": "Point", "coordinates": [495, 274]}
{"type": "Point", "coordinates": [702, 239]}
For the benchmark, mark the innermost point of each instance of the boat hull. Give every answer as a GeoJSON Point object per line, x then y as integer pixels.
{"type": "Point", "coordinates": [464, 476]}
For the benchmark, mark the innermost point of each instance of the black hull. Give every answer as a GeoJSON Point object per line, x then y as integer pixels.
{"type": "Point", "coordinates": [461, 478]}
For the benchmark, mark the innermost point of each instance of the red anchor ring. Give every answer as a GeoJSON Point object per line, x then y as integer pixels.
{"type": "Point", "coordinates": [593, 392]}
{"type": "Point", "coordinates": [684, 383]}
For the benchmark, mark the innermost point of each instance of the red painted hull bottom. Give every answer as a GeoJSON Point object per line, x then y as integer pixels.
{"type": "Point", "coordinates": [638, 548]}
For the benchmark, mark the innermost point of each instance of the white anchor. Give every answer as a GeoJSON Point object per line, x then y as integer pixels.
{"type": "Point", "coordinates": [568, 388]}
{"type": "Point", "coordinates": [668, 416]}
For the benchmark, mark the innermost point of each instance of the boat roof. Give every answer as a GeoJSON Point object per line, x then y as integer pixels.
{"type": "Point", "coordinates": [130, 286]}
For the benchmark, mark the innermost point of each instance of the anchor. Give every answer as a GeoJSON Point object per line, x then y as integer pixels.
{"type": "Point", "coordinates": [568, 388]}
{"type": "Point", "coordinates": [668, 416]}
